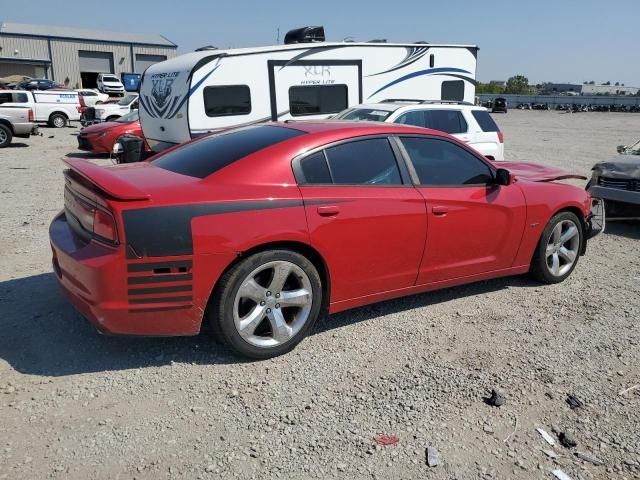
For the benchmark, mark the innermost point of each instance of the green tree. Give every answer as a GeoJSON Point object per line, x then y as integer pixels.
{"type": "Point", "coordinates": [488, 88]}
{"type": "Point", "coordinates": [518, 85]}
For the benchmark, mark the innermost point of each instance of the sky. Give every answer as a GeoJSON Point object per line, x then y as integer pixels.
{"type": "Point", "coordinates": [560, 41]}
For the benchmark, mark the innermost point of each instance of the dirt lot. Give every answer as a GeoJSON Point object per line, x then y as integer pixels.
{"type": "Point", "coordinates": [77, 405]}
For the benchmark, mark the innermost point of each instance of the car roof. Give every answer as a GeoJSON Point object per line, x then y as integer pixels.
{"type": "Point", "coordinates": [350, 128]}
{"type": "Point", "coordinates": [392, 106]}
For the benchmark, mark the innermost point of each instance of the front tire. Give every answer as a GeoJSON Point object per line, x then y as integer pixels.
{"type": "Point", "coordinates": [5, 136]}
{"type": "Point", "coordinates": [559, 248]}
{"type": "Point", "coordinates": [267, 303]}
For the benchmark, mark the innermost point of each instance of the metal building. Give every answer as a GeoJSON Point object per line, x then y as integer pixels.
{"type": "Point", "coordinates": [74, 57]}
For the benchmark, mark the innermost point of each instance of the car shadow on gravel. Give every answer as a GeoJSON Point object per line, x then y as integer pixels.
{"type": "Point", "coordinates": [87, 155]}
{"type": "Point", "coordinates": [624, 228]}
{"type": "Point", "coordinates": [402, 304]}
{"type": "Point", "coordinates": [42, 334]}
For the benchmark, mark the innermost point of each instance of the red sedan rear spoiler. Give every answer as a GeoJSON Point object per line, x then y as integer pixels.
{"type": "Point", "coordinates": [106, 180]}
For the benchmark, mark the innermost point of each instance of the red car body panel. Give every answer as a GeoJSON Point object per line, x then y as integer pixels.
{"type": "Point", "coordinates": [177, 234]}
{"type": "Point", "coordinates": [100, 137]}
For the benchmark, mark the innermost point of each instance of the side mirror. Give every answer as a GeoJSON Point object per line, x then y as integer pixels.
{"type": "Point", "coordinates": [621, 148]}
{"type": "Point", "coordinates": [503, 177]}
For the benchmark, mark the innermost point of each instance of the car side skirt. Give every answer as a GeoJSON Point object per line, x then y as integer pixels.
{"type": "Point", "coordinates": [379, 297]}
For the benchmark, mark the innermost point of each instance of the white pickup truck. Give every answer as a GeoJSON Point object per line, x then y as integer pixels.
{"type": "Point", "coordinates": [15, 122]}
{"type": "Point", "coordinates": [108, 112]}
{"type": "Point", "coordinates": [53, 107]}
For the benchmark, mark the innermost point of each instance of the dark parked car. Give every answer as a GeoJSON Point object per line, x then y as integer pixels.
{"type": "Point", "coordinates": [617, 182]}
{"type": "Point", "coordinates": [37, 84]}
{"type": "Point", "coordinates": [499, 105]}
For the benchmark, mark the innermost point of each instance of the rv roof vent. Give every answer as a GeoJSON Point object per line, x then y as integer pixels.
{"type": "Point", "coordinates": [378, 40]}
{"type": "Point", "coordinates": [304, 35]}
{"type": "Point", "coordinates": [207, 47]}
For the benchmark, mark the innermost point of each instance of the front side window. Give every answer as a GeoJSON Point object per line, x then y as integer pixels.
{"type": "Point", "coordinates": [317, 99]}
{"type": "Point", "coordinates": [452, 90]}
{"type": "Point", "coordinates": [448, 121]}
{"type": "Point", "coordinates": [227, 100]}
{"type": "Point", "coordinates": [442, 163]}
{"type": "Point", "coordinates": [363, 162]}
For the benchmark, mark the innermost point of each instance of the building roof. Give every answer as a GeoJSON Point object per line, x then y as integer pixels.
{"type": "Point", "coordinates": [83, 34]}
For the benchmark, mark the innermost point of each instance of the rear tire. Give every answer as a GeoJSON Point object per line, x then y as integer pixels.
{"type": "Point", "coordinates": [58, 120]}
{"type": "Point", "coordinates": [5, 136]}
{"type": "Point", "coordinates": [559, 248]}
{"type": "Point", "coordinates": [266, 304]}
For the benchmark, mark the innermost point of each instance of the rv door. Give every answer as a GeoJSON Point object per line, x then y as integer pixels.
{"type": "Point", "coordinates": [313, 89]}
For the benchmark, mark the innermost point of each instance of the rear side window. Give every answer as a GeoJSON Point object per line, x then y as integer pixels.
{"type": "Point", "coordinates": [485, 121]}
{"type": "Point", "coordinates": [209, 154]}
{"type": "Point", "coordinates": [363, 162]}
{"type": "Point", "coordinates": [412, 118]}
{"type": "Point", "coordinates": [442, 163]}
{"type": "Point", "coordinates": [315, 169]}
{"type": "Point", "coordinates": [452, 90]}
{"type": "Point", "coordinates": [227, 100]}
{"type": "Point", "coordinates": [448, 121]}
{"type": "Point", "coordinates": [317, 99]}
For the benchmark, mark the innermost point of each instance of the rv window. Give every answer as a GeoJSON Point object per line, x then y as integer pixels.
{"type": "Point", "coordinates": [452, 90]}
{"type": "Point", "coordinates": [227, 100]}
{"type": "Point", "coordinates": [364, 162]}
{"type": "Point", "coordinates": [317, 100]}
{"type": "Point", "coordinates": [209, 154]}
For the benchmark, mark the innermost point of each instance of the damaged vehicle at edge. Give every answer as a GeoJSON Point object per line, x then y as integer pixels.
{"type": "Point", "coordinates": [617, 183]}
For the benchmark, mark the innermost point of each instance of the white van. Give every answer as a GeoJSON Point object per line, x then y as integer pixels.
{"type": "Point", "coordinates": [53, 107]}
{"type": "Point", "coordinates": [211, 89]}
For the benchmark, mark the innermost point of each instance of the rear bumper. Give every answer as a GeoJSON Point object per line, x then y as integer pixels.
{"type": "Point", "coordinates": [23, 130]}
{"type": "Point", "coordinates": [615, 194]}
{"type": "Point", "coordinates": [97, 280]}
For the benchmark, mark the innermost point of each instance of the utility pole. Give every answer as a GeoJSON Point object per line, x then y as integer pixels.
{"type": "Point", "coordinates": [278, 37]}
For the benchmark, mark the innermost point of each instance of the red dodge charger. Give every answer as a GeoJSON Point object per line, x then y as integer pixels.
{"type": "Point", "coordinates": [254, 232]}
{"type": "Point", "coordinates": [100, 137]}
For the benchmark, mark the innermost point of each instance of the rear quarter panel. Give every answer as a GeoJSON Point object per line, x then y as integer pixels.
{"type": "Point", "coordinates": [544, 200]}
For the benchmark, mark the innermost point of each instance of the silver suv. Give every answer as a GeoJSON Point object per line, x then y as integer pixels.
{"type": "Point", "coordinates": [465, 121]}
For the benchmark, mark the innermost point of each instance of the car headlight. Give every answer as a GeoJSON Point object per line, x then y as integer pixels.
{"type": "Point", "coordinates": [99, 111]}
{"type": "Point", "coordinates": [117, 148]}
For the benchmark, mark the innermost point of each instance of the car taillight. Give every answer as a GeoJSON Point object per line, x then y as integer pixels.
{"type": "Point", "coordinates": [500, 137]}
{"type": "Point", "coordinates": [104, 226]}
{"type": "Point", "coordinates": [31, 116]}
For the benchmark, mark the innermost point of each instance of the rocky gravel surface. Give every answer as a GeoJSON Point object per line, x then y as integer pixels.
{"type": "Point", "coordinates": [419, 370]}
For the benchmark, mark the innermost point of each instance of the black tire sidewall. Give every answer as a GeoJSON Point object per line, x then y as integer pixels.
{"type": "Point", "coordinates": [539, 263]}
{"type": "Point", "coordinates": [53, 117]}
{"type": "Point", "coordinates": [9, 136]}
{"type": "Point", "coordinates": [223, 323]}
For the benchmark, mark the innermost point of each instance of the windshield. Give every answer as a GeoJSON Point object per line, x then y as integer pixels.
{"type": "Point", "coordinates": [124, 101]}
{"type": "Point", "coordinates": [370, 114]}
{"type": "Point", "coordinates": [132, 116]}
{"type": "Point", "coordinates": [110, 78]}
{"type": "Point", "coordinates": [634, 149]}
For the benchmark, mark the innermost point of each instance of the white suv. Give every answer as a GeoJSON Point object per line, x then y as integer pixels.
{"type": "Point", "coordinates": [465, 121]}
{"type": "Point", "coordinates": [109, 83]}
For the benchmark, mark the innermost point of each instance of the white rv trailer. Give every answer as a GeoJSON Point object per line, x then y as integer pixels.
{"type": "Point", "coordinates": [208, 90]}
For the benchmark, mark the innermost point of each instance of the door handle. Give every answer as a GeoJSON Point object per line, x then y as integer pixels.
{"type": "Point", "coordinates": [440, 211]}
{"type": "Point", "coordinates": [328, 211]}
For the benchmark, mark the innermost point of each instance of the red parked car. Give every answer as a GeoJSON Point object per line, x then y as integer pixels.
{"type": "Point", "coordinates": [100, 137]}
{"type": "Point", "coordinates": [256, 231]}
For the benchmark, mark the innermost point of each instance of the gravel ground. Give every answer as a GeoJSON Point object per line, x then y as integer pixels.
{"type": "Point", "coordinates": [77, 405]}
